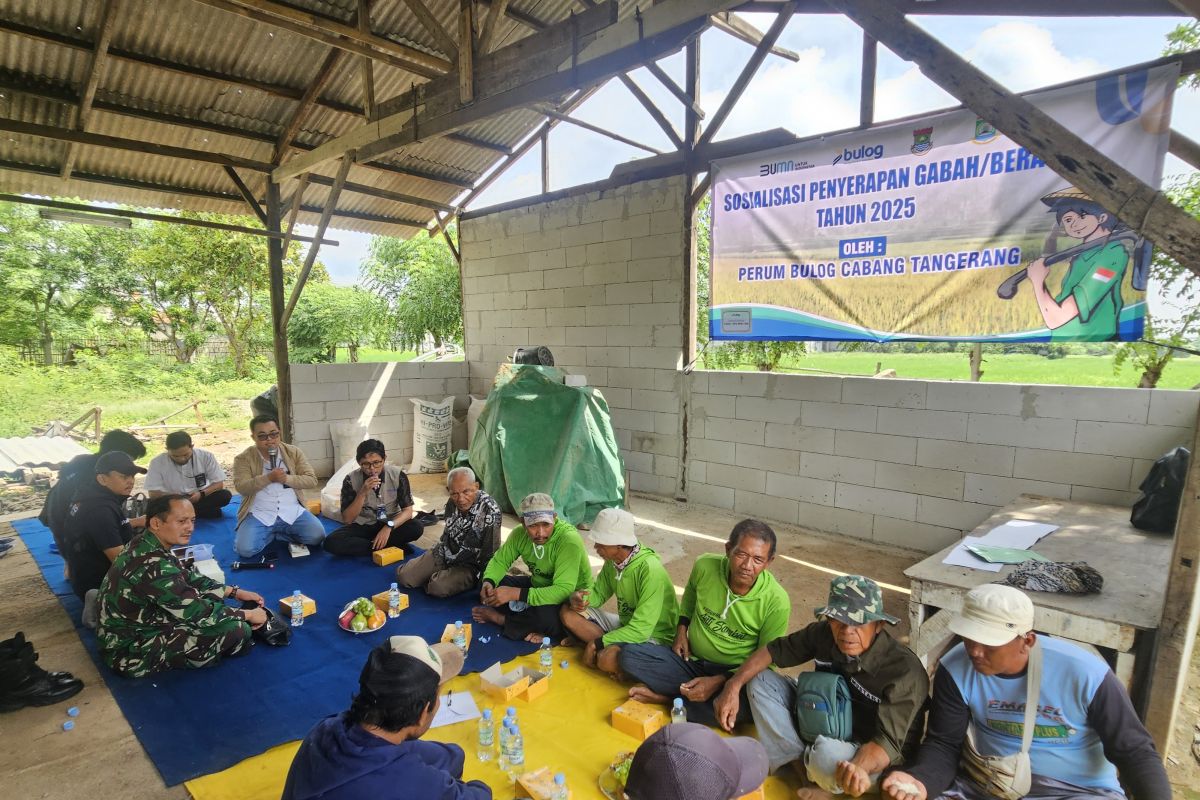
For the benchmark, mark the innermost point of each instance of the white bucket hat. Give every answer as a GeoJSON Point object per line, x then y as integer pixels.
{"type": "Point", "coordinates": [613, 526]}
{"type": "Point", "coordinates": [993, 615]}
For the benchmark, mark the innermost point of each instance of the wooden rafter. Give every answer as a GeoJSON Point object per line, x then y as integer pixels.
{"type": "Point", "coordinates": [366, 66]}
{"type": "Point", "coordinates": [743, 79]}
{"type": "Point", "coordinates": [1109, 184]}
{"type": "Point", "coordinates": [107, 17]}
{"type": "Point", "coordinates": [383, 194]}
{"type": "Point", "coordinates": [475, 141]}
{"type": "Point", "coordinates": [739, 28]}
{"type": "Point", "coordinates": [587, 126]}
{"type": "Point", "coordinates": [1185, 148]}
{"type": "Point", "coordinates": [323, 223]}
{"type": "Point", "coordinates": [336, 34]}
{"type": "Point", "coordinates": [246, 194]}
{"type": "Point", "coordinates": [653, 110]}
{"type": "Point", "coordinates": [466, 53]}
{"type": "Point", "coordinates": [293, 209]}
{"type": "Point", "coordinates": [523, 17]}
{"type": "Point", "coordinates": [674, 88]}
{"type": "Point", "coordinates": [319, 82]}
{"type": "Point", "coordinates": [488, 35]}
{"type": "Point", "coordinates": [429, 22]}
{"type": "Point", "coordinates": [701, 188]}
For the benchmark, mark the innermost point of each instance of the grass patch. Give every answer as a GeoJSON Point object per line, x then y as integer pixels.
{"type": "Point", "coordinates": [370, 354]}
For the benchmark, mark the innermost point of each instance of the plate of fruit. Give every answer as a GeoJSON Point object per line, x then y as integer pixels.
{"type": "Point", "coordinates": [361, 616]}
{"type": "Point", "coordinates": [612, 780]}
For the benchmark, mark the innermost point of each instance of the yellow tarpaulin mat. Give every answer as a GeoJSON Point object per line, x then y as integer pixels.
{"type": "Point", "coordinates": [567, 729]}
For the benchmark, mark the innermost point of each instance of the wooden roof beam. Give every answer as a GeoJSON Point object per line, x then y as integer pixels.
{"type": "Point", "coordinates": [481, 144]}
{"type": "Point", "coordinates": [739, 28]}
{"type": "Point", "coordinates": [674, 88]}
{"type": "Point", "coordinates": [107, 17]}
{"type": "Point", "coordinates": [366, 66]}
{"type": "Point", "coordinates": [246, 194]}
{"type": "Point", "coordinates": [523, 17]}
{"type": "Point", "coordinates": [319, 82]}
{"type": "Point", "coordinates": [488, 35]}
{"type": "Point", "coordinates": [429, 22]}
{"type": "Point", "coordinates": [747, 74]}
{"type": "Point", "coordinates": [311, 257]}
{"type": "Point", "coordinates": [587, 126]}
{"type": "Point", "coordinates": [336, 34]}
{"type": "Point", "coordinates": [1185, 148]}
{"type": "Point", "coordinates": [293, 210]}
{"type": "Point", "coordinates": [653, 110]}
{"type": "Point", "coordinates": [466, 53]}
{"type": "Point", "coordinates": [1173, 230]}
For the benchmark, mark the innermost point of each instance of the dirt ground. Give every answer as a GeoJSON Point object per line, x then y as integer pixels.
{"type": "Point", "coordinates": [102, 757]}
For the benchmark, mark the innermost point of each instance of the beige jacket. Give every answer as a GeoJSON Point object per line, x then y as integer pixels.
{"type": "Point", "coordinates": [248, 477]}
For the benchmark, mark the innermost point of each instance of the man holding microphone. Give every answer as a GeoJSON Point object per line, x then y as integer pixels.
{"type": "Point", "coordinates": [377, 506]}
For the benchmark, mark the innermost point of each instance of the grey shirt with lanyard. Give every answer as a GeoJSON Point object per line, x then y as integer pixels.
{"type": "Point", "coordinates": [394, 494]}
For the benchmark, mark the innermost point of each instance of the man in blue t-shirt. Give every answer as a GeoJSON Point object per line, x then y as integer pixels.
{"type": "Point", "coordinates": [1085, 729]}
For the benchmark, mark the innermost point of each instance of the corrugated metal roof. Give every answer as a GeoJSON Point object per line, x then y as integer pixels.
{"type": "Point", "coordinates": [44, 67]}
{"type": "Point", "coordinates": [37, 451]}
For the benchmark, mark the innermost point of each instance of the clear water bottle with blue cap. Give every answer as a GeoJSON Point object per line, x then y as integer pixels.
{"type": "Point", "coordinates": [560, 790]}
{"type": "Point", "coordinates": [394, 601]}
{"type": "Point", "coordinates": [516, 751]}
{"type": "Point", "coordinates": [460, 636]}
{"type": "Point", "coordinates": [678, 712]}
{"type": "Point", "coordinates": [546, 656]}
{"type": "Point", "coordinates": [297, 609]}
{"type": "Point", "coordinates": [502, 745]}
{"type": "Point", "coordinates": [487, 736]}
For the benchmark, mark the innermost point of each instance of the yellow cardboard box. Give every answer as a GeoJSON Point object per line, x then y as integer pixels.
{"type": "Point", "coordinates": [638, 719]}
{"type": "Point", "coordinates": [539, 684]}
{"type": "Point", "coordinates": [387, 555]}
{"type": "Point", "coordinates": [381, 600]}
{"type": "Point", "coordinates": [448, 634]}
{"type": "Point", "coordinates": [314, 507]}
{"type": "Point", "coordinates": [504, 686]}
{"type": "Point", "coordinates": [539, 784]}
{"type": "Point", "coordinates": [285, 606]}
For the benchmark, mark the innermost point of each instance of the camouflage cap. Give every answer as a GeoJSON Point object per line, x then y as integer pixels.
{"type": "Point", "coordinates": [855, 600]}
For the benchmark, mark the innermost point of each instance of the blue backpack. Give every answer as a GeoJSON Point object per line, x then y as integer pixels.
{"type": "Point", "coordinates": [823, 707]}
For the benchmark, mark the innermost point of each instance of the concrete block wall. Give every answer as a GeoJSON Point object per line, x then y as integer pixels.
{"type": "Point", "coordinates": [596, 277]}
{"type": "Point", "coordinates": [917, 463]}
{"type": "Point", "coordinates": [324, 394]}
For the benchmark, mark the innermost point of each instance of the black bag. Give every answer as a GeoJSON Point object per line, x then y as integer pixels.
{"type": "Point", "coordinates": [1157, 506]}
{"type": "Point", "coordinates": [277, 632]}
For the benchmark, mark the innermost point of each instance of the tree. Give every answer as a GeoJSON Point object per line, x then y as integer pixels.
{"type": "Point", "coordinates": [327, 316]}
{"type": "Point", "coordinates": [420, 281]}
{"type": "Point", "coordinates": [764, 356]}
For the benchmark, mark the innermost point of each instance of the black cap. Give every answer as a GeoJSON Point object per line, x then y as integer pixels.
{"type": "Point", "coordinates": [116, 461]}
{"type": "Point", "coordinates": [686, 761]}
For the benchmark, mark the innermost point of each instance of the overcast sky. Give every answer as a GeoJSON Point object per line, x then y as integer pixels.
{"type": "Point", "coordinates": [820, 92]}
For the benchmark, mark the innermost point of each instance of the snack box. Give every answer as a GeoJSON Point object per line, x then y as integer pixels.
{"type": "Point", "coordinates": [387, 555]}
{"type": "Point", "coordinates": [539, 684]}
{"type": "Point", "coordinates": [504, 686]}
{"type": "Point", "coordinates": [314, 507]}
{"type": "Point", "coordinates": [285, 606]}
{"type": "Point", "coordinates": [448, 634]}
{"type": "Point", "coordinates": [639, 720]}
{"type": "Point", "coordinates": [539, 784]}
{"type": "Point", "coordinates": [381, 601]}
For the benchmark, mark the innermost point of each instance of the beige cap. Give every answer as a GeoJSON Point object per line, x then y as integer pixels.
{"type": "Point", "coordinates": [537, 507]}
{"type": "Point", "coordinates": [440, 659]}
{"type": "Point", "coordinates": [613, 526]}
{"type": "Point", "coordinates": [993, 615]}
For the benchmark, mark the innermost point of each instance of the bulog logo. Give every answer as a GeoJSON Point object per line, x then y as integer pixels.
{"type": "Point", "coordinates": [865, 152]}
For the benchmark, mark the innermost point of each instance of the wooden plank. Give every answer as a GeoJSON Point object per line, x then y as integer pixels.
{"type": "Point", "coordinates": [293, 210]}
{"type": "Point", "coordinates": [674, 88]}
{"type": "Point", "coordinates": [365, 65]}
{"type": "Point", "coordinates": [653, 110]}
{"type": "Point", "coordinates": [336, 34]}
{"type": "Point", "coordinates": [482, 144]}
{"type": "Point", "coordinates": [739, 28]}
{"type": "Point", "coordinates": [319, 82]}
{"type": "Point", "coordinates": [134, 145]}
{"type": "Point", "coordinates": [466, 57]}
{"type": "Point", "coordinates": [246, 194]}
{"type": "Point", "coordinates": [701, 189]}
{"type": "Point", "coordinates": [311, 257]}
{"type": "Point", "coordinates": [283, 374]}
{"type": "Point", "coordinates": [1107, 182]}
{"type": "Point", "coordinates": [523, 17]}
{"type": "Point", "coordinates": [866, 90]}
{"type": "Point", "coordinates": [1176, 635]}
{"type": "Point", "coordinates": [429, 22]}
{"type": "Point", "coordinates": [1184, 147]}
{"type": "Point", "coordinates": [122, 212]}
{"type": "Point", "coordinates": [107, 17]}
{"type": "Point", "coordinates": [587, 126]}
{"type": "Point", "coordinates": [743, 79]}
{"type": "Point", "coordinates": [383, 194]}
{"type": "Point", "coordinates": [488, 36]}
{"type": "Point", "coordinates": [332, 149]}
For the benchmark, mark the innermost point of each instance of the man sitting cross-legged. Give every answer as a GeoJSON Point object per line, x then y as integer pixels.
{"type": "Point", "coordinates": [189, 471]}
{"type": "Point", "coordinates": [731, 607]}
{"type": "Point", "coordinates": [646, 606]}
{"type": "Point", "coordinates": [526, 607]}
{"type": "Point", "coordinates": [377, 506]}
{"type": "Point", "coordinates": [885, 680]}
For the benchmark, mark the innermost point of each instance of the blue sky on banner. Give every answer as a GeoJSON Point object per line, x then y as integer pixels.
{"type": "Point", "coordinates": [820, 92]}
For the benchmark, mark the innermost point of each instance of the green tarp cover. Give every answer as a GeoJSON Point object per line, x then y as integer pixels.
{"type": "Point", "coordinates": [538, 435]}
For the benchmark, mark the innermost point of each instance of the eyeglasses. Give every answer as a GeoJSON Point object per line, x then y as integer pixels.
{"type": "Point", "coordinates": [266, 437]}
{"type": "Point", "coordinates": [371, 464]}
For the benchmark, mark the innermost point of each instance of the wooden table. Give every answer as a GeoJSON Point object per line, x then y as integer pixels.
{"type": "Point", "coordinates": [1120, 621]}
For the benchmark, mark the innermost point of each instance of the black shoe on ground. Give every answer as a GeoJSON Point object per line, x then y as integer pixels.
{"type": "Point", "coordinates": [39, 690]}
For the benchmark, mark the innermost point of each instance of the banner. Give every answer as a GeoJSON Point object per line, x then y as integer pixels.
{"type": "Point", "coordinates": [940, 229]}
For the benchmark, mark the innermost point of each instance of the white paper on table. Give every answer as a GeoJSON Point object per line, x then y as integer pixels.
{"type": "Point", "coordinates": [1018, 533]}
{"type": "Point", "coordinates": [458, 707]}
{"type": "Point", "coordinates": [962, 557]}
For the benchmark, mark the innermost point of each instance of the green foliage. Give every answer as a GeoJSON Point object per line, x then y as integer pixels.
{"type": "Point", "coordinates": [1184, 38]}
{"type": "Point", "coordinates": [420, 281]}
{"type": "Point", "coordinates": [329, 316]}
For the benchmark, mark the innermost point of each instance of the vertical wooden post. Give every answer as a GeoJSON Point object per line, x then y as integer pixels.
{"type": "Point", "coordinates": [866, 98]}
{"type": "Point", "coordinates": [283, 370]}
{"type": "Point", "coordinates": [1176, 637]}
{"type": "Point", "coordinates": [545, 161]}
{"type": "Point", "coordinates": [466, 48]}
{"type": "Point", "coordinates": [688, 311]}
{"type": "Point", "coordinates": [976, 359]}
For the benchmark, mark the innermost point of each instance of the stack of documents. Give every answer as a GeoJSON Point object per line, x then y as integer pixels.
{"type": "Point", "coordinates": [1007, 544]}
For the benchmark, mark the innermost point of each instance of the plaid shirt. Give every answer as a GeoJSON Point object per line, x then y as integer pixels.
{"type": "Point", "coordinates": [470, 537]}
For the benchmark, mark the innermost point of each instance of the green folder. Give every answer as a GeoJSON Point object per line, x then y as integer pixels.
{"type": "Point", "coordinates": [1004, 555]}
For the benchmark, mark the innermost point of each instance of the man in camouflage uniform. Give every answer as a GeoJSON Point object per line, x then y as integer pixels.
{"type": "Point", "coordinates": [156, 614]}
{"type": "Point", "coordinates": [888, 691]}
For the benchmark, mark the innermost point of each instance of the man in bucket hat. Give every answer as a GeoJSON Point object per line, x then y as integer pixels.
{"type": "Point", "coordinates": [1085, 728]}
{"type": "Point", "coordinates": [646, 607]}
{"type": "Point", "coordinates": [688, 761]}
{"type": "Point", "coordinates": [526, 607]}
{"type": "Point", "coordinates": [374, 749]}
{"type": "Point", "coordinates": [887, 686]}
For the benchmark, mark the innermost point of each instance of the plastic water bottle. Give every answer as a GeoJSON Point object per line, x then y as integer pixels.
{"type": "Point", "coordinates": [560, 791]}
{"type": "Point", "coordinates": [394, 601]}
{"type": "Point", "coordinates": [510, 715]}
{"type": "Point", "coordinates": [678, 712]}
{"type": "Point", "coordinates": [502, 748]}
{"type": "Point", "coordinates": [297, 609]}
{"type": "Point", "coordinates": [487, 736]}
{"type": "Point", "coordinates": [460, 636]}
{"type": "Point", "coordinates": [516, 751]}
{"type": "Point", "coordinates": [546, 656]}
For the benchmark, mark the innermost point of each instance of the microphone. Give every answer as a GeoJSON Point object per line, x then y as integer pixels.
{"type": "Point", "coordinates": [237, 565]}
{"type": "Point", "coordinates": [274, 455]}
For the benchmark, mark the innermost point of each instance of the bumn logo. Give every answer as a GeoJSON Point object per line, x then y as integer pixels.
{"type": "Point", "coordinates": [865, 152]}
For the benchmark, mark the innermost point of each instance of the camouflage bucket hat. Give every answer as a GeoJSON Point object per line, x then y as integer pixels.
{"type": "Point", "coordinates": [855, 600]}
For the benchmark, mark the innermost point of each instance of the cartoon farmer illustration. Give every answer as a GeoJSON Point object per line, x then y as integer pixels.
{"type": "Point", "coordinates": [1088, 304]}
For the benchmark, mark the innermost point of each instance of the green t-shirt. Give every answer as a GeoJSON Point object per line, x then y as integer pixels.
{"type": "Point", "coordinates": [557, 568]}
{"type": "Point", "coordinates": [1094, 280]}
{"type": "Point", "coordinates": [726, 628]}
{"type": "Point", "coordinates": [646, 602]}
